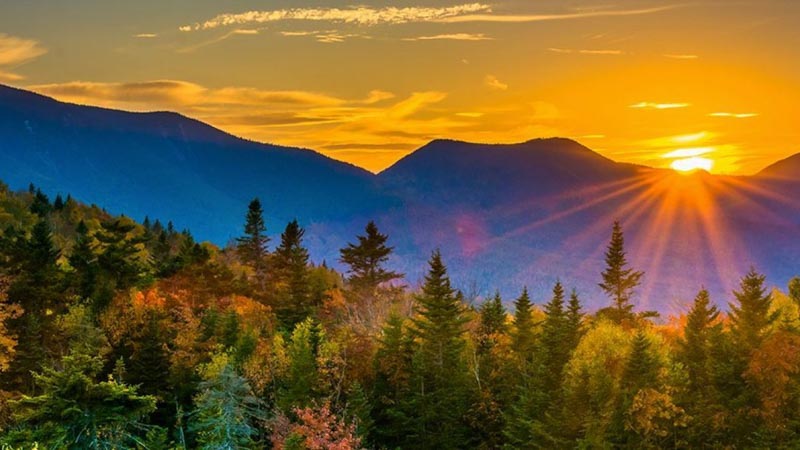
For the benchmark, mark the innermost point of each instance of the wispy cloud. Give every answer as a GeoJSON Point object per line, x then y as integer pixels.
{"type": "Point", "coordinates": [492, 82]}
{"type": "Point", "coordinates": [585, 51]}
{"type": "Point", "coordinates": [733, 115]}
{"type": "Point", "coordinates": [483, 17]}
{"type": "Point", "coordinates": [145, 35]}
{"type": "Point", "coordinates": [680, 56]}
{"type": "Point", "coordinates": [688, 152]}
{"type": "Point", "coordinates": [15, 51]}
{"type": "Point", "coordinates": [452, 37]}
{"type": "Point", "coordinates": [324, 36]}
{"type": "Point", "coordinates": [652, 105]}
{"type": "Point", "coordinates": [362, 15]}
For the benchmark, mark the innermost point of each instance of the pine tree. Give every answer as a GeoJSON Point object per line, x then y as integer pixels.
{"type": "Point", "coordinates": [619, 281]}
{"type": "Point", "coordinates": [366, 259]}
{"type": "Point", "coordinates": [574, 320]}
{"type": "Point", "coordinates": [41, 204]}
{"type": "Point", "coordinates": [493, 317]}
{"type": "Point", "coordinates": [291, 271]}
{"type": "Point", "coordinates": [392, 363]}
{"type": "Point", "coordinates": [73, 410]}
{"type": "Point", "coordinates": [439, 398]}
{"type": "Point", "coordinates": [226, 410]}
{"type": "Point", "coordinates": [523, 338]}
{"type": "Point", "coordinates": [37, 289]}
{"type": "Point", "coordinates": [695, 346]}
{"type": "Point", "coordinates": [794, 289]}
{"type": "Point", "coordinates": [84, 261]}
{"type": "Point", "coordinates": [554, 341]}
{"type": "Point", "coordinates": [750, 315]}
{"type": "Point", "coordinates": [252, 246]}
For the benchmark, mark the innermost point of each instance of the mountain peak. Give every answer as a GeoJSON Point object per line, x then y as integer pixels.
{"type": "Point", "coordinates": [785, 168]}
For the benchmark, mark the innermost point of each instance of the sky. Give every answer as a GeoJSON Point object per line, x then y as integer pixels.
{"type": "Point", "coordinates": [713, 84]}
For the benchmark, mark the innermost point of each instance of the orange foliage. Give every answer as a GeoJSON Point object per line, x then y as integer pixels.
{"type": "Point", "coordinates": [317, 428]}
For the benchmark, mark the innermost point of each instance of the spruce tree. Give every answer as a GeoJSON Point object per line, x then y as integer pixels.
{"type": "Point", "coordinates": [439, 398]}
{"type": "Point", "coordinates": [493, 317]}
{"type": "Point", "coordinates": [554, 341]}
{"type": "Point", "coordinates": [523, 338]}
{"type": "Point", "coordinates": [252, 246]}
{"type": "Point", "coordinates": [74, 411]}
{"type": "Point", "coordinates": [695, 345]}
{"type": "Point", "coordinates": [291, 271]}
{"type": "Point", "coordinates": [392, 363]}
{"type": "Point", "coordinates": [366, 260]}
{"type": "Point", "coordinates": [619, 281]}
{"type": "Point", "coordinates": [794, 289]}
{"type": "Point", "coordinates": [84, 261]}
{"type": "Point", "coordinates": [750, 315]}
{"type": "Point", "coordinates": [226, 411]}
{"type": "Point", "coordinates": [574, 320]}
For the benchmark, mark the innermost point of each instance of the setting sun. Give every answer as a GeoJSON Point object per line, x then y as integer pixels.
{"type": "Point", "coordinates": [692, 164]}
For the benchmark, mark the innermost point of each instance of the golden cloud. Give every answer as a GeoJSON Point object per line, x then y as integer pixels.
{"type": "Point", "coordinates": [15, 51]}
{"type": "Point", "coordinates": [492, 82]}
{"type": "Point", "coordinates": [362, 15]}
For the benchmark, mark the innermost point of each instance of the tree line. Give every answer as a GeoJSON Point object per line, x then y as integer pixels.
{"type": "Point", "coordinates": [118, 334]}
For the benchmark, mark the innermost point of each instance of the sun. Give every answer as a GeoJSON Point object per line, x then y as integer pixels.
{"type": "Point", "coordinates": [692, 164]}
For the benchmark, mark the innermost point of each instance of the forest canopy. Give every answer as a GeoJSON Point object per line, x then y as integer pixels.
{"type": "Point", "coordinates": [118, 334]}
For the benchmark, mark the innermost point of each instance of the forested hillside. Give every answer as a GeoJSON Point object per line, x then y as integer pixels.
{"type": "Point", "coordinates": [118, 334]}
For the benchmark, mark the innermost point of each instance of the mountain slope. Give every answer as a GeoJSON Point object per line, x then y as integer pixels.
{"type": "Point", "coordinates": [171, 167]}
{"type": "Point", "coordinates": [503, 216]}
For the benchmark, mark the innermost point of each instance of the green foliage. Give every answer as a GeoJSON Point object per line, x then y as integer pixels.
{"type": "Point", "coordinates": [290, 266]}
{"type": "Point", "coordinates": [226, 410]}
{"type": "Point", "coordinates": [76, 411]}
{"type": "Point", "coordinates": [619, 281]}
{"type": "Point", "coordinates": [366, 259]}
{"type": "Point", "coordinates": [252, 246]}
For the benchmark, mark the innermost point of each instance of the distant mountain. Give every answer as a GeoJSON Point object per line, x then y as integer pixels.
{"type": "Point", "coordinates": [504, 216]}
{"type": "Point", "coordinates": [171, 167]}
{"type": "Point", "coordinates": [788, 169]}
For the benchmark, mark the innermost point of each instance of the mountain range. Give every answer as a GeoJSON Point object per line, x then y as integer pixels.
{"type": "Point", "coordinates": [503, 216]}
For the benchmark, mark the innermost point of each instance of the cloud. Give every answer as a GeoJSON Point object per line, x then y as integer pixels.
{"type": "Point", "coordinates": [15, 51]}
{"type": "Point", "coordinates": [585, 51]}
{"type": "Point", "coordinates": [452, 37]}
{"type": "Point", "coordinates": [548, 17]}
{"type": "Point", "coordinates": [175, 93]}
{"type": "Point", "coordinates": [652, 105]}
{"type": "Point", "coordinates": [145, 35]}
{"type": "Point", "coordinates": [680, 56]}
{"type": "Point", "coordinates": [325, 37]}
{"type": "Point", "coordinates": [688, 152]}
{"type": "Point", "coordinates": [362, 15]}
{"type": "Point", "coordinates": [734, 115]}
{"type": "Point", "coordinates": [492, 82]}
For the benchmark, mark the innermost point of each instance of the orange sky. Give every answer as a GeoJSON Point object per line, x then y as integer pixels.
{"type": "Point", "coordinates": [638, 80]}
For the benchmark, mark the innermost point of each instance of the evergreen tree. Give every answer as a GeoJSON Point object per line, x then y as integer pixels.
{"type": "Point", "coordinates": [37, 289]}
{"type": "Point", "coordinates": [301, 385]}
{"type": "Point", "coordinates": [226, 410]}
{"type": "Point", "coordinates": [75, 411]}
{"type": "Point", "coordinates": [291, 271]}
{"type": "Point", "coordinates": [392, 363]}
{"type": "Point", "coordinates": [523, 337]}
{"type": "Point", "coordinates": [118, 258]}
{"type": "Point", "coordinates": [696, 353]}
{"type": "Point", "coordinates": [252, 246]}
{"type": "Point", "coordinates": [493, 317]}
{"type": "Point", "coordinates": [794, 289]}
{"type": "Point", "coordinates": [366, 260]}
{"type": "Point", "coordinates": [750, 315]}
{"type": "Point", "coordinates": [84, 261]}
{"type": "Point", "coordinates": [574, 320]}
{"type": "Point", "coordinates": [619, 281]}
{"type": "Point", "coordinates": [695, 346]}
{"type": "Point", "coordinates": [58, 203]}
{"type": "Point", "coordinates": [41, 204]}
{"type": "Point", "coordinates": [439, 399]}
{"type": "Point", "coordinates": [554, 341]}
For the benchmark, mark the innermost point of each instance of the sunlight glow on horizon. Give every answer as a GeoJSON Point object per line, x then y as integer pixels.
{"type": "Point", "coordinates": [692, 164]}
